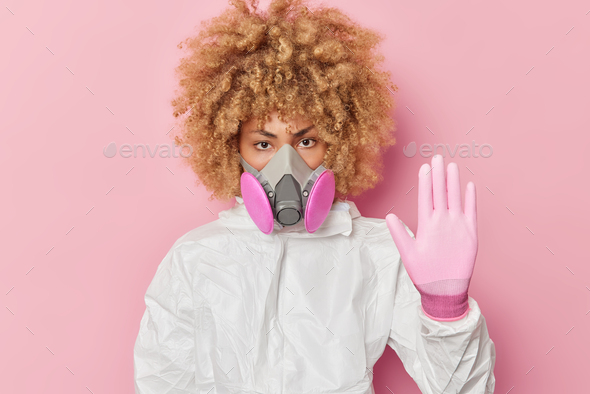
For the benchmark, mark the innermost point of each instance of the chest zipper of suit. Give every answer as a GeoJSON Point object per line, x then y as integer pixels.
{"type": "Point", "coordinates": [280, 268]}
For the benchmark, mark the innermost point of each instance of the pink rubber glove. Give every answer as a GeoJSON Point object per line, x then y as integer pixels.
{"type": "Point", "coordinates": [441, 259]}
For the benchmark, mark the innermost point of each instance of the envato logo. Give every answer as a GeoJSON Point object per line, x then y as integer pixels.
{"type": "Point", "coordinates": [164, 150]}
{"type": "Point", "coordinates": [465, 150]}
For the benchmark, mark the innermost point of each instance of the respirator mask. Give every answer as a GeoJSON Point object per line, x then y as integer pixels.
{"type": "Point", "coordinates": [287, 190]}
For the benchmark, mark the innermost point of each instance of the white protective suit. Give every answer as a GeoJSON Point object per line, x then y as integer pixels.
{"type": "Point", "coordinates": [232, 310]}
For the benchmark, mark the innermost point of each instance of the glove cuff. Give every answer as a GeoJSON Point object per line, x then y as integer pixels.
{"type": "Point", "coordinates": [445, 307]}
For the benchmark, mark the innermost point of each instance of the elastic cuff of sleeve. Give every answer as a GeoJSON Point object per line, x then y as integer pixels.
{"type": "Point", "coordinates": [445, 308]}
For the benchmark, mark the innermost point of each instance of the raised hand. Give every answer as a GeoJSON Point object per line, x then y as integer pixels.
{"type": "Point", "coordinates": [441, 259]}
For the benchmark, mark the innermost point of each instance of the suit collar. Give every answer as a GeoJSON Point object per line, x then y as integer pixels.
{"type": "Point", "coordinates": [338, 221]}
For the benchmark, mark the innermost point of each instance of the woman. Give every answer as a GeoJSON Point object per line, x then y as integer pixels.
{"type": "Point", "coordinates": [293, 292]}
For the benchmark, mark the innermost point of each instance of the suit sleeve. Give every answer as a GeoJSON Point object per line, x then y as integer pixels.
{"type": "Point", "coordinates": [456, 357]}
{"type": "Point", "coordinates": [164, 352]}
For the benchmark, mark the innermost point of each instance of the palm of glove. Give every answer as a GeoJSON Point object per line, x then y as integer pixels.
{"type": "Point", "coordinates": [441, 259]}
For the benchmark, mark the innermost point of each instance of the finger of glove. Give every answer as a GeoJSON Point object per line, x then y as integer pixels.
{"type": "Point", "coordinates": [425, 206]}
{"type": "Point", "coordinates": [401, 237]}
{"type": "Point", "coordinates": [439, 183]}
{"type": "Point", "coordinates": [471, 203]}
{"type": "Point", "coordinates": [454, 188]}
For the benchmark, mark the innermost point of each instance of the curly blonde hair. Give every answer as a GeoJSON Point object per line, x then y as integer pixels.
{"type": "Point", "coordinates": [316, 63]}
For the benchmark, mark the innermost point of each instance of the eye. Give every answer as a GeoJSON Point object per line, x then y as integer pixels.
{"type": "Point", "coordinates": [307, 143]}
{"type": "Point", "coordinates": [263, 145]}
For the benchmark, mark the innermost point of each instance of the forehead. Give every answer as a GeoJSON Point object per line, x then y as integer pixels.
{"type": "Point", "coordinates": [274, 124]}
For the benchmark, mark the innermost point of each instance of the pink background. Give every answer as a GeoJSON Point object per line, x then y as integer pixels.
{"type": "Point", "coordinates": [512, 74]}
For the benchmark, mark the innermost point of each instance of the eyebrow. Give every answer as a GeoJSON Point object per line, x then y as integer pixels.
{"type": "Point", "coordinates": [271, 135]}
